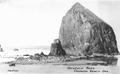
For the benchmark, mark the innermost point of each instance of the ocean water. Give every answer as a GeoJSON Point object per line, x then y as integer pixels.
{"type": "Point", "coordinates": [9, 54]}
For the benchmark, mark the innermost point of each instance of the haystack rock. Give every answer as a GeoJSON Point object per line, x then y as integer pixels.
{"type": "Point", "coordinates": [83, 33]}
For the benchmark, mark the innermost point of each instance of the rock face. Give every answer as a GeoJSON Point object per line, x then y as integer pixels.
{"type": "Point", "coordinates": [83, 33]}
{"type": "Point", "coordinates": [56, 49]}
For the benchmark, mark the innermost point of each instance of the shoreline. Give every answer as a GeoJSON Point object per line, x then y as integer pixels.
{"type": "Point", "coordinates": [105, 61]}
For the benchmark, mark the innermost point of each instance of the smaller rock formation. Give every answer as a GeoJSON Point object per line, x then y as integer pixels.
{"type": "Point", "coordinates": [42, 54]}
{"type": "Point", "coordinates": [56, 49]}
{"type": "Point", "coordinates": [16, 49]}
{"type": "Point", "coordinates": [1, 49]}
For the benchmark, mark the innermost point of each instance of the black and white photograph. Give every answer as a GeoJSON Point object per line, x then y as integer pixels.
{"type": "Point", "coordinates": [59, 36]}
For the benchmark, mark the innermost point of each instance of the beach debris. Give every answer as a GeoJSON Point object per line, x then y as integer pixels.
{"type": "Point", "coordinates": [12, 64]}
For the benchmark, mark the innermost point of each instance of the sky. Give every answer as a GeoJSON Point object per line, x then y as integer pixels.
{"type": "Point", "coordinates": [37, 22]}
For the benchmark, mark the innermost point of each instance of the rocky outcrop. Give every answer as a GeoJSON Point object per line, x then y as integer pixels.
{"type": "Point", "coordinates": [16, 49]}
{"type": "Point", "coordinates": [83, 33]}
{"type": "Point", "coordinates": [1, 49]}
{"type": "Point", "coordinates": [56, 49]}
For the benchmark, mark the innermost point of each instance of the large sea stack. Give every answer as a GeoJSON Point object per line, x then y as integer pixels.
{"type": "Point", "coordinates": [83, 33]}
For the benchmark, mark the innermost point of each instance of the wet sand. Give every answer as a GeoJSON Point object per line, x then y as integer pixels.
{"type": "Point", "coordinates": [77, 67]}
